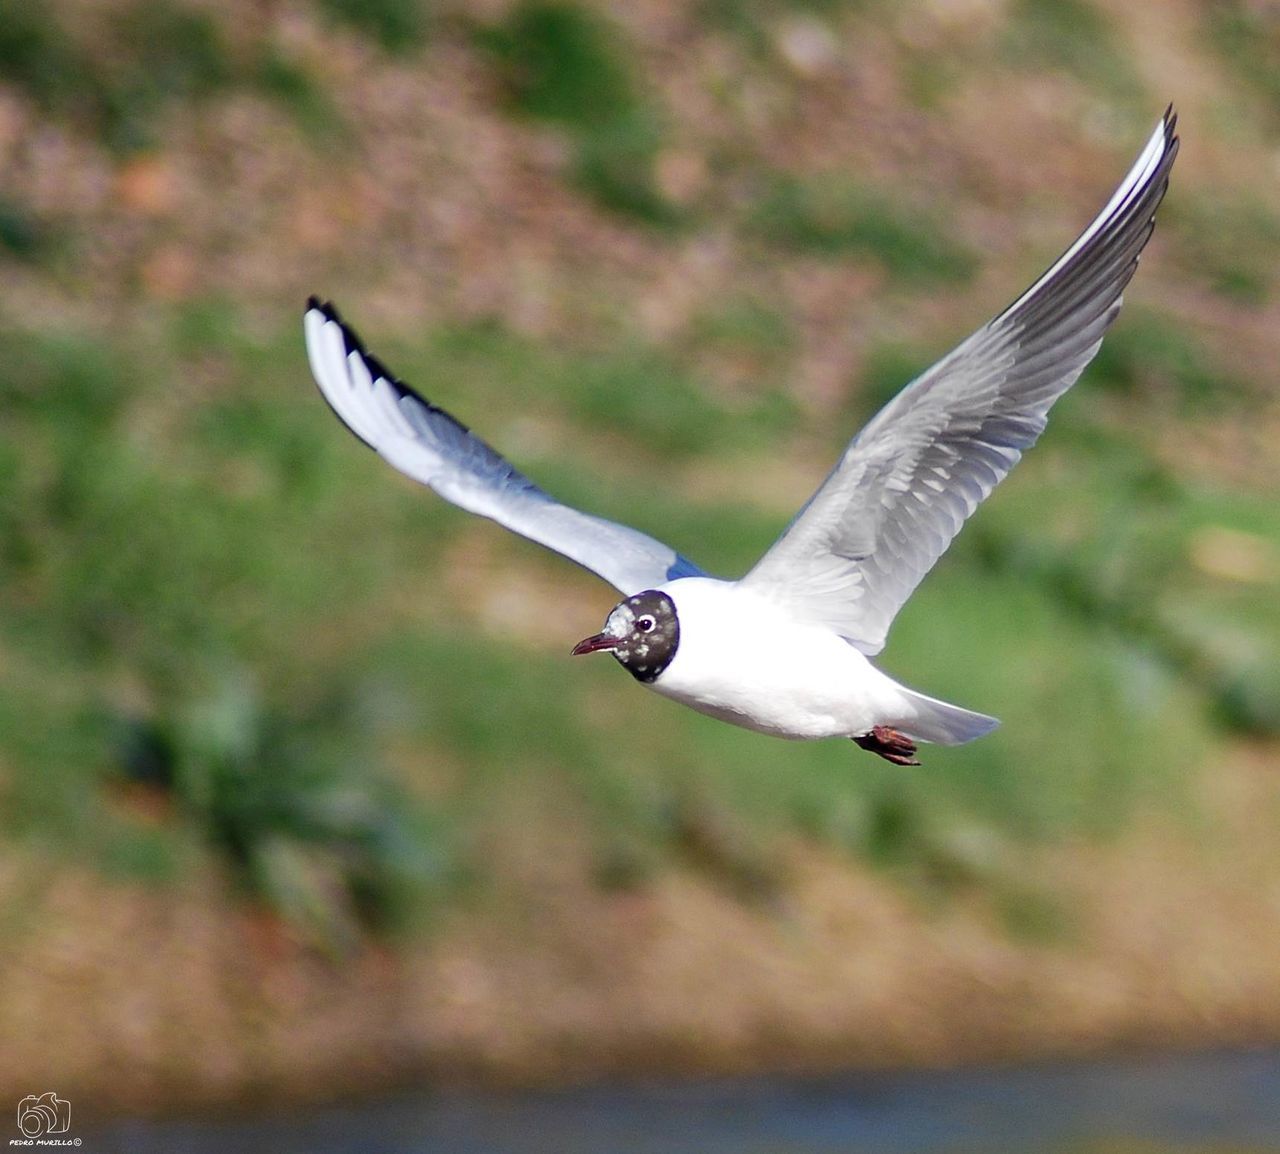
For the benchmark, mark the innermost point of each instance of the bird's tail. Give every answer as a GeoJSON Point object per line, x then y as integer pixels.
{"type": "Point", "coordinates": [928, 719]}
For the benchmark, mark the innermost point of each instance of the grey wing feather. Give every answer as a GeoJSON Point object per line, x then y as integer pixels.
{"type": "Point", "coordinates": [432, 447]}
{"type": "Point", "coordinates": [910, 479]}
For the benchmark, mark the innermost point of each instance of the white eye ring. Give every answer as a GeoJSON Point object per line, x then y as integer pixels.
{"type": "Point", "coordinates": [645, 624]}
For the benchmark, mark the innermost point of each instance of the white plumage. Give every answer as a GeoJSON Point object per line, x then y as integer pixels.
{"type": "Point", "coordinates": [784, 650]}
{"type": "Point", "coordinates": [744, 659]}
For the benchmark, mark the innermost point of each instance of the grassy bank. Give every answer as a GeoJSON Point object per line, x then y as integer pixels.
{"type": "Point", "coordinates": [219, 601]}
{"type": "Point", "coordinates": [313, 737]}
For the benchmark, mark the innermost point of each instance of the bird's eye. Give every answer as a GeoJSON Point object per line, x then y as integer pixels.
{"type": "Point", "coordinates": [645, 624]}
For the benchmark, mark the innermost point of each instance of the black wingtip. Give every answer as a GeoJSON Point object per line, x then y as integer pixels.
{"type": "Point", "coordinates": [353, 342]}
{"type": "Point", "coordinates": [350, 337]}
{"type": "Point", "coordinates": [1171, 127]}
{"type": "Point", "coordinates": [376, 367]}
{"type": "Point", "coordinates": [325, 307]}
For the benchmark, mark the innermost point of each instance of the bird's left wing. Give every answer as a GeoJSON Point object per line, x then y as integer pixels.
{"type": "Point", "coordinates": [908, 481]}
{"type": "Point", "coordinates": [429, 445]}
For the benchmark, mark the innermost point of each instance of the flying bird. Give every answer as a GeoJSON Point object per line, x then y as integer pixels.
{"type": "Point", "coordinates": [785, 649]}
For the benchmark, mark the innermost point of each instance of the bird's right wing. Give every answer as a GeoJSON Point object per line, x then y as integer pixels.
{"type": "Point", "coordinates": [908, 481]}
{"type": "Point", "coordinates": [429, 445]}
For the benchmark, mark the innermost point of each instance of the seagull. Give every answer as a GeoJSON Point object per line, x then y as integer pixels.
{"type": "Point", "coordinates": [785, 649]}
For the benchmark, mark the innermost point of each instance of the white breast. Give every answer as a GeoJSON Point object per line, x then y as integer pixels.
{"type": "Point", "coordinates": [744, 659]}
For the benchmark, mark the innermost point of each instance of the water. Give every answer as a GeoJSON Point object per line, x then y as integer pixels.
{"type": "Point", "coordinates": [1204, 1102]}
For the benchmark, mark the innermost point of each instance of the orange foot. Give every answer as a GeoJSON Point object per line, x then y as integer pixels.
{"type": "Point", "coordinates": [889, 744]}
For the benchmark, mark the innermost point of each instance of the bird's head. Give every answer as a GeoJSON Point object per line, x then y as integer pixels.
{"type": "Point", "coordinates": [642, 632]}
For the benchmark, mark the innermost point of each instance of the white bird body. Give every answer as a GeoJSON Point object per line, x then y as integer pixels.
{"type": "Point", "coordinates": [745, 659]}
{"type": "Point", "coordinates": [785, 649]}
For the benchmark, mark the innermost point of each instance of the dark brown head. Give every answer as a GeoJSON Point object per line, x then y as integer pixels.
{"type": "Point", "coordinates": [642, 632]}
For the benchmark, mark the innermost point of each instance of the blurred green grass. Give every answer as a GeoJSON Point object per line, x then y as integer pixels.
{"type": "Point", "coordinates": [207, 588]}
{"type": "Point", "coordinates": [1247, 37]}
{"type": "Point", "coordinates": [1075, 37]}
{"type": "Point", "coordinates": [116, 76]}
{"type": "Point", "coordinates": [396, 25]}
{"type": "Point", "coordinates": [212, 595]}
{"type": "Point", "coordinates": [837, 219]}
{"type": "Point", "coordinates": [1233, 246]}
{"type": "Point", "coordinates": [568, 65]}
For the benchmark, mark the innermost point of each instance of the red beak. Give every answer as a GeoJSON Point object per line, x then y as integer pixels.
{"type": "Point", "coordinates": [595, 644]}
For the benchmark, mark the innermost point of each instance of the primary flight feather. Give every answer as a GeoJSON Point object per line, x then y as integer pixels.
{"type": "Point", "coordinates": [784, 649]}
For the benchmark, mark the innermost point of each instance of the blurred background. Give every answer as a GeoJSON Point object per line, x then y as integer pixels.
{"type": "Point", "coordinates": [300, 793]}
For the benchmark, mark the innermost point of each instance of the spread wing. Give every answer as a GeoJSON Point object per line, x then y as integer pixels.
{"type": "Point", "coordinates": [908, 481]}
{"type": "Point", "coordinates": [430, 446]}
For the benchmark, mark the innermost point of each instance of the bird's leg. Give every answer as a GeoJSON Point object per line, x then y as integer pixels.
{"type": "Point", "coordinates": [889, 744]}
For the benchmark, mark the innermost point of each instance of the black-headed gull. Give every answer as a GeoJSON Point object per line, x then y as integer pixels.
{"type": "Point", "coordinates": [784, 650]}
